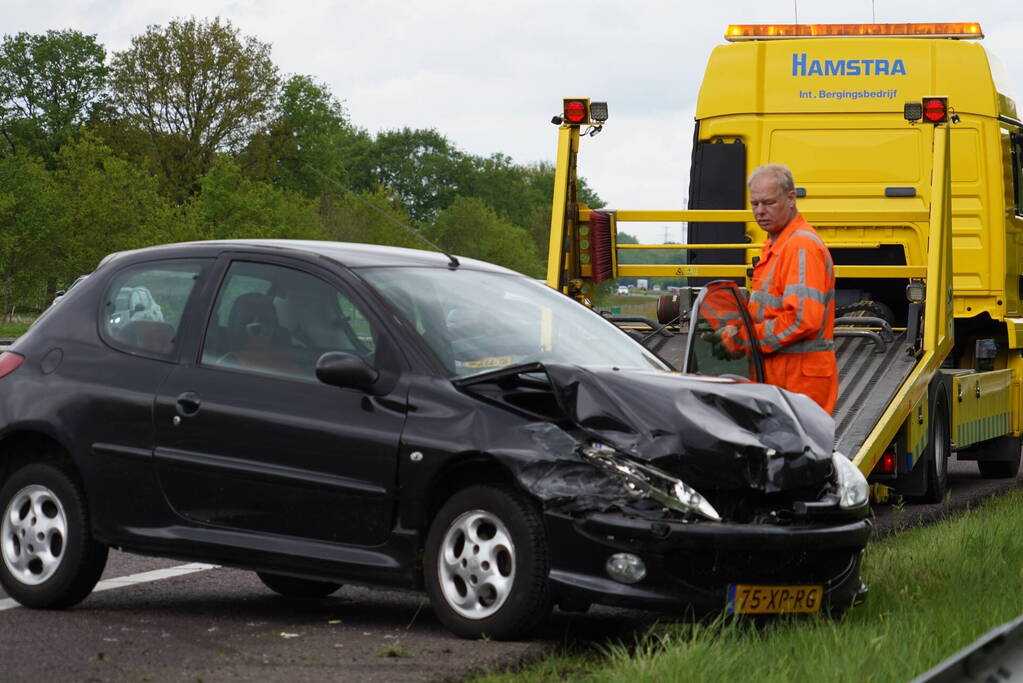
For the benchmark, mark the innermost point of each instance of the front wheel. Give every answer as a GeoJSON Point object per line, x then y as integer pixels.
{"type": "Point", "coordinates": [486, 564]}
{"type": "Point", "coordinates": [50, 559]}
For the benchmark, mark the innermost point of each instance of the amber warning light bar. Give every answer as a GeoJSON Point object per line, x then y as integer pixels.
{"type": "Point", "coordinates": [740, 32]}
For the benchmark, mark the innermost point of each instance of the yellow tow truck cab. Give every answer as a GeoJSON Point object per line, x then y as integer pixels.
{"type": "Point", "coordinates": [907, 151]}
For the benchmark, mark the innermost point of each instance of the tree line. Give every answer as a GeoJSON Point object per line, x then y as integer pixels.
{"type": "Point", "coordinates": [193, 133]}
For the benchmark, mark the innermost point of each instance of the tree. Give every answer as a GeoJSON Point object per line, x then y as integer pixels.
{"type": "Point", "coordinates": [231, 205]}
{"type": "Point", "coordinates": [371, 218]}
{"type": "Point", "coordinates": [30, 218]}
{"type": "Point", "coordinates": [471, 228]}
{"type": "Point", "coordinates": [311, 131]}
{"type": "Point", "coordinates": [197, 89]}
{"type": "Point", "coordinates": [48, 86]}
{"type": "Point", "coordinates": [109, 205]}
{"type": "Point", "coordinates": [422, 167]}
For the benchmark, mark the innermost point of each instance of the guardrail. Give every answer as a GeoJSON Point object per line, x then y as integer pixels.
{"type": "Point", "coordinates": [996, 656]}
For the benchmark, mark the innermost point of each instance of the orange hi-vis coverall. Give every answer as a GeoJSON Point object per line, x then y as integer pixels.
{"type": "Point", "coordinates": [792, 304]}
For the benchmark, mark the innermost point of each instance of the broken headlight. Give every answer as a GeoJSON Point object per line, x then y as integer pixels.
{"type": "Point", "coordinates": [644, 481]}
{"type": "Point", "coordinates": [850, 484]}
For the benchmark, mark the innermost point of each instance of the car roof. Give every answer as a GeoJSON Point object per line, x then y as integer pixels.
{"type": "Point", "coordinates": [349, 254]}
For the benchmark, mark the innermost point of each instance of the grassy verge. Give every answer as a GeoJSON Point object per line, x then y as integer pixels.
{"type": "Point", "coordinates": [14, 328]}
{"type": "Point", "coordinates": [933, 591]}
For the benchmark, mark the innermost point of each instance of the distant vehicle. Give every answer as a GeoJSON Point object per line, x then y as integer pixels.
{"type": "Point", "coordinates": [324, 413]}
{"type": "Point", "coordinates": [641, 283]}
{"type": "Point", "coordinates": [623, 289]}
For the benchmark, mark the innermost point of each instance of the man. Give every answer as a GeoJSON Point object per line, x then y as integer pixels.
{"type": "Point", "coordinates": [792, 297]}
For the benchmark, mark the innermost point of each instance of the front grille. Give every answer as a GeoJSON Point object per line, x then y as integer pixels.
{"type": "Point", "coordinates": [712, 568]}
{"type": "Point", "coordinates": [747, 505]}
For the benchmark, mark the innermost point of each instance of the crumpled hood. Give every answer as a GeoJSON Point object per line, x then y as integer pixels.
{"type": "Point", "coordinates": [709, 433]}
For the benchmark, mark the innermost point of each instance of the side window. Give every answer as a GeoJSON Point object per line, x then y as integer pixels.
{"type": "Point", "coordinates": [720, 340]}
{"type": "Point", "coordinates": [143, 305]}
{"type": "Point", "coordinates": [275, 320]}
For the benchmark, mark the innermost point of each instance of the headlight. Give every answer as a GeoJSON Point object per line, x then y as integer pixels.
{"type": "Point", "coordinates": [646, 481]}
{"type": "Point", "coordinates": [850, 484]}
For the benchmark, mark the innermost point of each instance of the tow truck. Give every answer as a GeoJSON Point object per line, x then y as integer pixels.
{"type": "Point", "coordinates": [907, 151]}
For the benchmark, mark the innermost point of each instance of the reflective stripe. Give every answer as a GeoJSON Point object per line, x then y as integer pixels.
{"type": "Point", "coordinates": [805, 292]}
{"type": "Point", "coordinates": [812, 236]}
{"type": "Point", "coordinates": [721, 317]}
{"type": "Point", "coordinates": [807, 346]}
{"type": "Point", "coordinates": [766, 299]}
{"type": "Point", "coordinates": [776, 339]}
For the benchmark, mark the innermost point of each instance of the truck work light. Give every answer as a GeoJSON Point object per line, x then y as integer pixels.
{"type": "Point", "coordinates": [598, 112]}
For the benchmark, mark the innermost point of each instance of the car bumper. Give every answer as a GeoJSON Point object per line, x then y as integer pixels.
{"type": "Point", "coordinates": [690, 566]}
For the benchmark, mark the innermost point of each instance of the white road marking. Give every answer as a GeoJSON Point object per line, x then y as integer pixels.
{"type": "Point", "coordinates": [132, 579]}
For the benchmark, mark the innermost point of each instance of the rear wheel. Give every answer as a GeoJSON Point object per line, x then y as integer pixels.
{"type": "Point", "coordinates": [938, 450]}
{"type": "Point", "coordinates": [294, 587]}
{"type": "Point", "coordinates": [486, 564]}
{"type": "Point", "coordinates": [50, 559]}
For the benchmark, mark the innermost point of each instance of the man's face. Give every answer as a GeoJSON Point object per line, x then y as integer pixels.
{"type": "Point", "coordinates": [772, 208]}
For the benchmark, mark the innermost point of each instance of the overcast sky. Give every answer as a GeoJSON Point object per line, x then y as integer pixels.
{"type": "Point", "coordinates": [490, 74]}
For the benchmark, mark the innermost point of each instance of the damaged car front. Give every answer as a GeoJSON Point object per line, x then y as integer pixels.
{"type": "Point", "coordinates": [656, 490]}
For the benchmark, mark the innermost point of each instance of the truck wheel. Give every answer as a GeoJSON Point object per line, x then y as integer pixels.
{"type": "Point", "coordinates": [938, 449]}
{"type": "Point", "coordinates": [294, 587]}
{"type": "Point", "coordinates": [1007, 466]}
{"type": "Point", "coordinates": [50, 559]}
{"type": "Point", "coordinates": [486, 564]}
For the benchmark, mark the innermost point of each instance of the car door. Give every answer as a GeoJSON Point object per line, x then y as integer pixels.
{"type": "Point", "coordinates": [249, 439]}
{"type": "Point", "coordinates": [721, 340]}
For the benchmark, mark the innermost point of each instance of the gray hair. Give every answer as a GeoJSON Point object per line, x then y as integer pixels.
{"type": "Point", "coordinates": [781, 174]}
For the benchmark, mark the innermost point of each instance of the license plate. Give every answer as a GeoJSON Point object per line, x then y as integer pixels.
{"type": "Point", "coordinates": [743, 599]}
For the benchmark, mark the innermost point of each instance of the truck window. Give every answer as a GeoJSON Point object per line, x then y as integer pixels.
{"type": "Point", "coordinates": [1016, 140]}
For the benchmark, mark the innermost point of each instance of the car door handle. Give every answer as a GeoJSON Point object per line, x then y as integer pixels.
{"type": "Point", "coordinates": [188, 404]}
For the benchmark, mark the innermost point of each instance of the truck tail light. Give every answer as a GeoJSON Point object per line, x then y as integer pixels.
{"type": "Point", "coordinates": [9, 362]}
{"type": "Point", "coordinates": [577, 111]}
{"type": "Point", "coordinates": [936, 109]}
{"type": "Point", "coordinates": [888, 462]}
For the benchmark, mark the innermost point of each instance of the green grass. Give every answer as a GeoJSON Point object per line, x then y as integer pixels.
{"type": "Point", "coordinates": [933, 591]}
{"type": "Point", "coordinates": [14, 328]}
{"type": "Point", "coordinates": [629, 305]}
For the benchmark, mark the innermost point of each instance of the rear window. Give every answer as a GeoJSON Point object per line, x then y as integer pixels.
{"type": "Point", "coordinates": [144, 304]}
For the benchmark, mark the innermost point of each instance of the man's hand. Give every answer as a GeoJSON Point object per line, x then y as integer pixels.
{"type": "Point", "coordinates": [717, 346]}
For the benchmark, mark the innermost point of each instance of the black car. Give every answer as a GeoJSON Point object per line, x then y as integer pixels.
{"type": "Point", "coordinates": [324, 413]}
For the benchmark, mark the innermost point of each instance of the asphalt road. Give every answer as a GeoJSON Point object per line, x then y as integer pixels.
{"type": "Point", "coordinates": [221, 625]}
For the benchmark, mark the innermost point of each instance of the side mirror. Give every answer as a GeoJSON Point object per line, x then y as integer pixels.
{"type": "Point", "coordinates": [343, 369]}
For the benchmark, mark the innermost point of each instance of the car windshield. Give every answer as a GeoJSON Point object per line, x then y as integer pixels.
{"type": "Point", "coordinates": [477, 321]}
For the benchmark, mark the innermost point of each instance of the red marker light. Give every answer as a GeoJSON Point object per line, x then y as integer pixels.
{"type": "Point", "coordinates": [936, 109]}
{"type": "Point", "coordinates": [888, 462]}
{"type": "Point", "coordinates": [9, 362]}
{"type": "Point", "coordinates": [575, 111]}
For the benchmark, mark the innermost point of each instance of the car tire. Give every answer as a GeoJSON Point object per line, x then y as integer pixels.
{"type": "Point", "coordinates": [294, 587]}
{"type": "Point", "coordinates": [1008, 465]}
{"type": "Point", "coordinates": [486, 564]}
{"type": "Point", "coordinates": [49, 558]}
{"type": "Point", "coordinates": [938, 451]}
